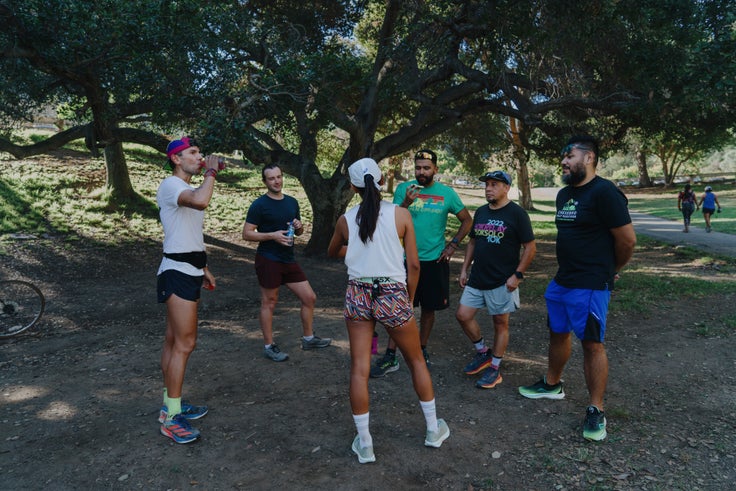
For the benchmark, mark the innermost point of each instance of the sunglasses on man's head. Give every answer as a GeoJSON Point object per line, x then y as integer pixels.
{"type": "Point", "coordinates": [423, 155]}
{"type": "Point", "coordinates": [570, 147]}
{"type": "Point", "coordinates": [496, 175]}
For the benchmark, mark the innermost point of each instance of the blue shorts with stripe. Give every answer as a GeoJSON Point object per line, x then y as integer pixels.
{"type": "Point", "coordinates": [577, 310]}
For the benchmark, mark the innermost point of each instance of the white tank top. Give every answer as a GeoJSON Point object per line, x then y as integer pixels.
{"type": "Point", "coordinates": [382, 256]}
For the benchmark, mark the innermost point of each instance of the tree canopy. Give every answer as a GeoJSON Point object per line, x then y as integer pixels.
{"type": "Point", "coordinates": [318, 85]}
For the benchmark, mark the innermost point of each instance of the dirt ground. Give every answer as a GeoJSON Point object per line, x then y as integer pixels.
{"type": "Point", "coordinates": [79, 396]}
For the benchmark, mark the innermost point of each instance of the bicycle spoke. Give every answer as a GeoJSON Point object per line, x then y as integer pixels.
{"type": "Point", "coordinates": [21, 306]}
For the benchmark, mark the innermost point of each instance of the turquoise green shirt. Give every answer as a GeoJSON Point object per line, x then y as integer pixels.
{"type": "Point", "coordinates": [429, 214]}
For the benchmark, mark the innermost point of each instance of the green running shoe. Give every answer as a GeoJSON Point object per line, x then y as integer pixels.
{"type": "Point", "coordinates": [594, 427]}
{"type": "Point", "coordinates": [385, 365]}
{"type": "Point", "coordinates": [542, 390]}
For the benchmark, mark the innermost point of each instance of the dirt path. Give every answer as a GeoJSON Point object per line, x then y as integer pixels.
{"type": "Point", "coordinates": [671, 232]}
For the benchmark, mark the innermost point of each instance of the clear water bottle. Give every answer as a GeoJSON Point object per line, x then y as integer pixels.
{"type": "Point", "coordinates": [290, 232]}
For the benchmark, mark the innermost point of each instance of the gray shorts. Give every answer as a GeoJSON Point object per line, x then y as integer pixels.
{"type": "Point", "coordinates": [497, 301]}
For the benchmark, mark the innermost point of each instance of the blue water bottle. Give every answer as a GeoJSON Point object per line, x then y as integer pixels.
{"type": "Point", "coordinates": [290, 233]}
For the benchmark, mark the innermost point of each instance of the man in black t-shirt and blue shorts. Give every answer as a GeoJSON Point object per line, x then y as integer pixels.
{"type": "Point", "coordinates": [595, 239]}
{"type": "Point", "coordinates": [500, 231]}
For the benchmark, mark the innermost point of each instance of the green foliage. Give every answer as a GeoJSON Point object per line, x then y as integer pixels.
{"type": "Point", "coordinates": [316, 85]}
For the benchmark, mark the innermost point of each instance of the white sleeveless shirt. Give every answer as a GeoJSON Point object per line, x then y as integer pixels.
{"type": "Point", "coordinates": [381, 256]}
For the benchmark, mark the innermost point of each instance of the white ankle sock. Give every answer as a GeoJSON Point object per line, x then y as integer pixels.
{"type": "Point", "coordinates": [362, 423]}
{"type": "Point", "coordinates": [430, 414]}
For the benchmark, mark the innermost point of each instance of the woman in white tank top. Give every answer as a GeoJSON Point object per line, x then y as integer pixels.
{"type": "Point", "coordinates": [373, 237]}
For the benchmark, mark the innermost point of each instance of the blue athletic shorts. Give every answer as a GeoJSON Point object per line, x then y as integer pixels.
{"type": "Point", "coordinates": [577, 310]}
{"type": "Point", "coordinates": [180, 284]}
{"type": "Point", "coordinates": [497, 301]}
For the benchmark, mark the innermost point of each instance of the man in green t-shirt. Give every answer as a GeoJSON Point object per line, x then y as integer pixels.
{"type": "Point", "coordinates": [429, 203]}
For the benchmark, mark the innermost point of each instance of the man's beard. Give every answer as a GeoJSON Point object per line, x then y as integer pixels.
{"type": "Point", "coordinates": [574, 177]}
{"type": "Point", "coordinates": [424, 180]}
{"type": "Point", "coordinates": [492, 201]}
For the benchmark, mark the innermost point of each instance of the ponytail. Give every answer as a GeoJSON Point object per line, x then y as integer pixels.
{"type": "Point", "coordinates": [370, 207]}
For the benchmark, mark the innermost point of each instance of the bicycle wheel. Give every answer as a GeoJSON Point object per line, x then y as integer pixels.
{"type": "Point", "coordinates": [21, 306]}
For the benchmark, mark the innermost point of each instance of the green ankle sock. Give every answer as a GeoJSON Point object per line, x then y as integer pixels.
{"type": "Point", "coordinates": [173, 407]}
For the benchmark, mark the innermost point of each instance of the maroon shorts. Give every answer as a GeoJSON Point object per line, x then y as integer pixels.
{"type": "Point", "coordinates": [273, 274]}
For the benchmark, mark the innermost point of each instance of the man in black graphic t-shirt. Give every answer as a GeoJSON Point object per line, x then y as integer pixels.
{"type": "Point", "coordinates": [500, 231]}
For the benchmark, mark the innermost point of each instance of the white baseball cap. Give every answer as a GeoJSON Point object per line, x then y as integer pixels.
{"type": "Point", "coordinates": [360, 168]}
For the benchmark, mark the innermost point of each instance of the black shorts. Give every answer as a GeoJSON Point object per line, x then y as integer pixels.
{"type": "Point", "coordinates": [180, 284]}
{"type": "Point", "coordinates": [433, 289]}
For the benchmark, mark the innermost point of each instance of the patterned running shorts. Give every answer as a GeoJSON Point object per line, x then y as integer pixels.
{"type": "Point", "coordinates": [390, 305]}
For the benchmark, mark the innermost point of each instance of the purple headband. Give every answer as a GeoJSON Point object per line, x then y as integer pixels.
{"type": "Point", "coordinates": [177, 146]}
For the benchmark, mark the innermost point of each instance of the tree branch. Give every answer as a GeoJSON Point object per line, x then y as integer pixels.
{"type": "Point", "coordinates": [52, 143]}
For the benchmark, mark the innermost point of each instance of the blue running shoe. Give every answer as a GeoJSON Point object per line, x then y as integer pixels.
{"type": "Point", "coordinates": [274, 353]}
{"type": "Point", "coordinates": [315, 343]}
{"type": "Point", "coordinates": [179, 430]}
{"type": "Point", "coordinates": [480, 362]}
{"type": "Point", "coordinates": [490, 379]}
{"type": "Point", "coordinates": [188, 411]}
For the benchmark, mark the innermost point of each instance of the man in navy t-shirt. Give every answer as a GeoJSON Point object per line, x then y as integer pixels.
{"type": "Point", "coordinates": [267, 223]}
{"type": "Point", "coordinates": [595, 239]}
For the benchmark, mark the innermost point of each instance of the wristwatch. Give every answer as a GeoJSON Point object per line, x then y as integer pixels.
{"type": "Point", "coordinates": [519, 275]}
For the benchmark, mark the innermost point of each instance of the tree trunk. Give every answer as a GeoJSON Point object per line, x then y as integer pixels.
{"type": "Point", "coordinates": [641, 163]}
{"type": "Point", "coordinates": [117, 182]}
{"type": "Point", "coordinates": [522, 167]}
{"type": "Point", "coordinates": [522, 178]}
{"type": "Point", "coordinates": [329, 199]}
{"type": "Point", "coordinates": [394, 164]}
